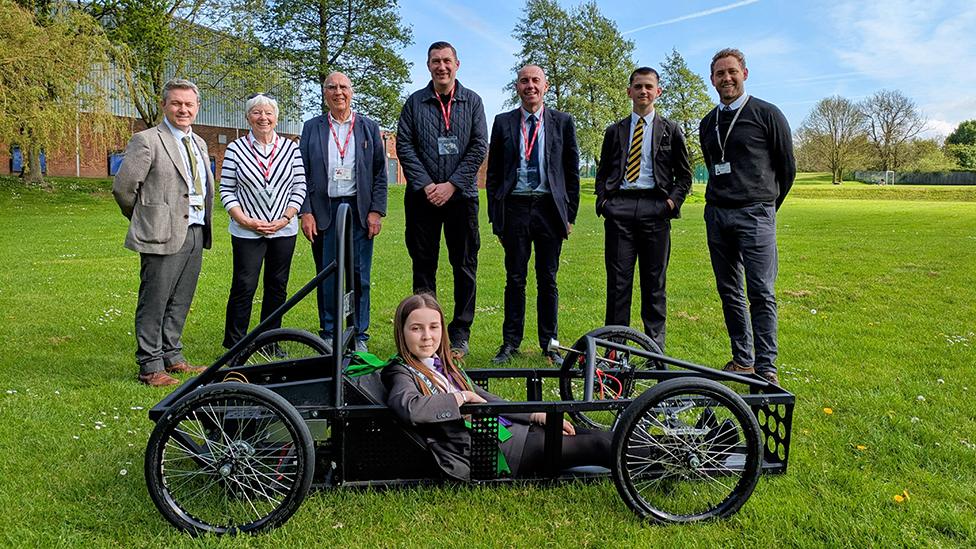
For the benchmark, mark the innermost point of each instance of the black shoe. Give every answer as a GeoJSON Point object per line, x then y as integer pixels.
{"type": "Point", "coordinates": [505, 353]}
{"type": "Point", "coordinates": [553, 358]}
{"type": "Point", "coordinates": [459, 348]}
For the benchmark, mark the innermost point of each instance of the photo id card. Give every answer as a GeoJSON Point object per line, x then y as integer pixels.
{"type": "Point", "coordinates": [447, 145]}
{"type": "Point", "coordinates": [342, 173]}
{"type": "Point", "coordinates": [723, 168]}
{"type": "Point", "coordinates": [196, 200]}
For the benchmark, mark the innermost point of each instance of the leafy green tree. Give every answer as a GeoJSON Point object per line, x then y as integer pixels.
{"type": "Point", "coordinates": [545, 32]}
{"type": "Point", "coordinates": [964, 155]}
{"type": "Point", "coordinates": [211, 42]}
{"type": "Point", "coordinates": [50, 67]}
{"type": "Point", "coordinates": [603, 63]}
{"type": "Point", "coordinates": [925, 155]}
{"type": "Point", "coordinates": [360, 38]}
{"type": "Point", "coordinates": [835, 132]}
{"type": "Point", "coordinates": [684, 99]}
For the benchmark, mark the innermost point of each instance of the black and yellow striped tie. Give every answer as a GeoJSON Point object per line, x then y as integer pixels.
{"type": "Point", "coordinates": [634, 156]}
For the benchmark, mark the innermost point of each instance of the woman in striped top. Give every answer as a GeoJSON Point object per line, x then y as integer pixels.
{"type": "Point", "coordinates": [262, 186]}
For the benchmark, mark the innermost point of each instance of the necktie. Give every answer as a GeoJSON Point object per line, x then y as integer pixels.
{"type": "Point", "coordinates": [634, 156]}
{"type": "Point", "coordinates": [194, 172]}
{"type": "Point", "coordinates": [533, 162]}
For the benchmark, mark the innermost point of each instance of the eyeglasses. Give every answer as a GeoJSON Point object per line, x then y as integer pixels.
{"type": "Point", "coordinates": [260, 94]}
{"type": "Point", "coordinates": [334, 87]}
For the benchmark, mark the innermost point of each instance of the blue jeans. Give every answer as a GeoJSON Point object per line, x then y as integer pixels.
{"type": "Point", "coordinates": [323, 252]}
{"type": "Point", "coordinates": [743, 240]}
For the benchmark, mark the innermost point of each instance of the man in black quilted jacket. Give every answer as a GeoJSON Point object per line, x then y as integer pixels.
{"type": "Point", "coordinates": [441, 143]}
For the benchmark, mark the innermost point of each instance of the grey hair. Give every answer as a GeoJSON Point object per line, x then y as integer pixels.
{"type": "Point", "coordinates": [727, 52]}
{"type": "Point", "coordinates": [179, 84]}
{"type": "Point", "coordinates": [260, 100]}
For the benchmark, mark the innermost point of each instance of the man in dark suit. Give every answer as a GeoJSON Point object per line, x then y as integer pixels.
{"type": "Point", "coordinates": [533, 195]}
{"type": "Point", "coordinates": [165, 188]}
{"type": "Point", "coordinates": [345, 163]}
{"type": "Point", "coordinates": [641, 182]}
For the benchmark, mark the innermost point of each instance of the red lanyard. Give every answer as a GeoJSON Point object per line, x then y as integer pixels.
{"type": "Point", "coordinates": [446, 111]}
{"type": "Point", "coordinates": [529, 145]}
{"type": "Point", "coordinates": [342, 148]}
{"type": "Point", "coordinates": [266, 169]}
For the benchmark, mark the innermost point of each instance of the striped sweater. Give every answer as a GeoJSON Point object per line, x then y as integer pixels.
{"type": "Point", "coordinates": [243, 183]}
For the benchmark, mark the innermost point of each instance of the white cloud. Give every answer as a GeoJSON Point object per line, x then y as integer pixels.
{"type": "Point", "coordinates": [695, 15]}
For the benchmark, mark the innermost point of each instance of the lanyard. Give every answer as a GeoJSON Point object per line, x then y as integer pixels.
{"type": "Point", "coordinates": [265, 169]}
{"type": "Point", "coordinates": [529, 145]}
{"type": "Point", "coordinates": [446, 111]}
{"type": "Point", "coordinates": [342, 148]}
{"type": "Point", "coordinates": [722, 142]}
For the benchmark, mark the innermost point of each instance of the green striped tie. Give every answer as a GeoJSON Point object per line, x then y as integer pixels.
{"type": "Point", "coordinates": [194, 171]}
{"type": "Point", "coordinates": [634, 156]}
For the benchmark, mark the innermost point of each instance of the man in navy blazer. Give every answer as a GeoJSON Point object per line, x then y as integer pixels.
{"type": "Point", "coordinates": [533, 194]}
{"type": "Point", "coordinates": [345, 163]}
{"type": "Point", "coordinates": [642, 179]}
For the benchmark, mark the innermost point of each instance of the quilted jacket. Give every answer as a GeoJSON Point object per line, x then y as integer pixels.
{"type": "Point", "coordinates": [422, 122]}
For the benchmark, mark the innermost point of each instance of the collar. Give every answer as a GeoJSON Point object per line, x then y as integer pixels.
{"type": "Point", "coordinates": [352, 114]}
{"type": "Point", "coordinates": [648, 119]}
{"type": "Point", "coordinates": [735, 104]}
{"type": "Point", "coordinates": [253, 140]}
{"type": "Point", "coordinates": [429, 92]}
{"type": "Point", "coordinates": [177, 133]}
{"type": "Point", "coordinates": [526, 114]}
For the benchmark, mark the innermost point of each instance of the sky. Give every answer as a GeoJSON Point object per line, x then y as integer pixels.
{"type": "Point", "coordinates": [797, 52]}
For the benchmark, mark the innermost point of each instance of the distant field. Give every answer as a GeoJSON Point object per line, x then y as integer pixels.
{"type": "Point", "coordinates": [877, 324]}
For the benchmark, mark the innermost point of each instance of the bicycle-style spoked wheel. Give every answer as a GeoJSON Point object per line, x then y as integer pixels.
{"type": "Point", "coordinates": [229, 458]}
{"type": "Point", "coordinates": [281, 344]}
{"type": "Point", "coordinates": [615, 375]}
{"type": "Point", "coordinates": [686, 450]}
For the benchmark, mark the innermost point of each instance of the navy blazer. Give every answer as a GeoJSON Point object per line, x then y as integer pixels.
{"type": "Point", "coordinates": [561, 164]}
{"type": "Point", "coordinates": [370, 169]}
{"type": "Point", "coordinates": [672, 168]}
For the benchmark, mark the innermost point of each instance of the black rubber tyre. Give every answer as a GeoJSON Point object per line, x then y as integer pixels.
{"type": "Point", "coordinates": [686, 450]}
{"type": "Point", "coordinates": [280, 344]}
{"type": "Point", "coordinates": [571, 383]}
{"type": "Point", "coordinates": [229, 458]}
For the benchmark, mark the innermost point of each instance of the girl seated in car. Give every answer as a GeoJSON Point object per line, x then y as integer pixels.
{"type": "Point", "coordinates": [426, 390]}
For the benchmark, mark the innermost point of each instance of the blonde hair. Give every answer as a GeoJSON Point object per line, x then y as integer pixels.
{"type": "Point", "coordinates": [451, 371]}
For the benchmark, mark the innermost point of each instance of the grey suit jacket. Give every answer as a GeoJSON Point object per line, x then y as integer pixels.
{"type": "Point", "coordinates": [438, 419]}
{"type": "Point", "coordinates": [151, 188]}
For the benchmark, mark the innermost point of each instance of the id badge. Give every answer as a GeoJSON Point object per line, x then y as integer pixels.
{"type": "Point", "coordinates": [342, 173]}
{"type": "Point", "coordinates": [196, 200]}
{"type": "Point", "coordinates": [723, 168]}
{"type": "Point", "coordinates": [447, 145]}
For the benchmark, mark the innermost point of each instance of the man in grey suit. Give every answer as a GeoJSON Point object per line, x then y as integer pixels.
{"type": "Point", "coordinates": [165, 188]}
{"type": "Point", "coordinates": [533, 189]}
{"type": "Point", "coordinates": [345, 163]}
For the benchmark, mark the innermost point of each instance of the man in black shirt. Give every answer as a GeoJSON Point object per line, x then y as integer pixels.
{"type": "Point", "coordinates": [442, 139]}
{"type": "Point", "coordinates": [748, 151]}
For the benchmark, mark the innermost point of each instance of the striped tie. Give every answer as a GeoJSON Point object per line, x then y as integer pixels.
{"type": "Point", "coordinates": [634, 156]}
{"type": "Point", "coordinates": [194, 172]}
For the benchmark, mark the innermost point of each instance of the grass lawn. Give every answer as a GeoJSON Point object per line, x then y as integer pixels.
{"type": "Point", "coordinates": [877, 324]}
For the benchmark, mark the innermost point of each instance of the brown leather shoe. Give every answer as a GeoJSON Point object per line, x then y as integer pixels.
{"type": "Point", "coordinates": [184, 368]}
{"type": "Point", "coordinates": [735, 368]}
{"type": "Point", "coordinates": [158, 379]}
{"type": "Point", "coordinates": [770, 376]}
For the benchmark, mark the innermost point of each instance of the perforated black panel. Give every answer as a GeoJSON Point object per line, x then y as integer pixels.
{"type": "Point", "coordinates": [484, 447]}
{"type": "Point", "coordinates": [776, 422]}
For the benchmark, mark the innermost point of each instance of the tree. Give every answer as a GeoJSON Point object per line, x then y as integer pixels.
{"type": "Point", "coordinates": [834, 131]}
{"type": "Point", "coordinates": [50, 77]}
{"type": "Point", "coordinates": [925, 155]}
{"type": "Point", "coordinates": [892, 120]}
{"type": "Point", "coordinates": [684, 99]}
{"type": "Point", "coordinates": [545, 32]}
{"type": "Point", "coordinates": [964, 134]}
{"type": "Point", "coordinates": [602, 64]}
{"type": "Point", "coordinates": [357, 37]}
{"type": "Point", "coordinates": [211, 42]}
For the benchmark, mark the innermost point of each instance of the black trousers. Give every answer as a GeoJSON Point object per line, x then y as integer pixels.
{"type": "Point", "coordinates": [531, 221]}
{"type": "Point", "coordinates": [638, 229]}
{"type": "Point", "coordinates": [249, 254]}
{"type": "Point", "coordinates": [586, 447]}
{"type": "Point", "coordinates": [459, 220]}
